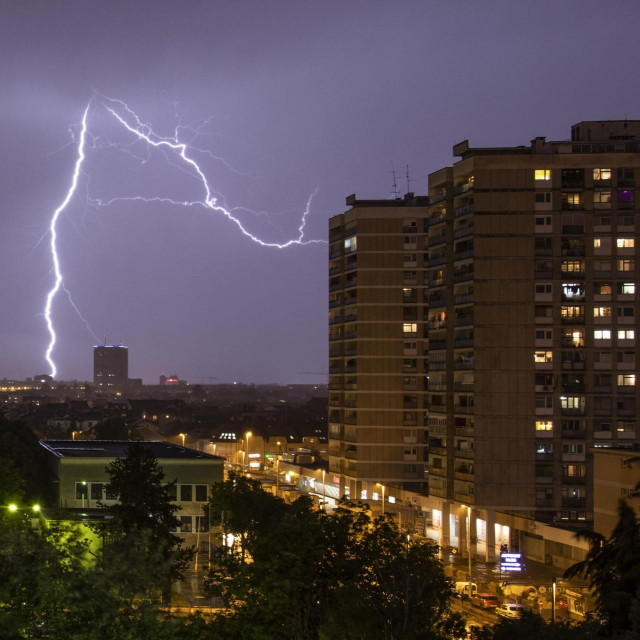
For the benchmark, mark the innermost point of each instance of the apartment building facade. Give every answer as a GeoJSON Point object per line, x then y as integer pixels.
{"type": "Point", "coordinates": [532, 347]}
{"type": "Point", "coordinates": [490, 329]}
{"type": "Point", "coordinates": [377, 375]}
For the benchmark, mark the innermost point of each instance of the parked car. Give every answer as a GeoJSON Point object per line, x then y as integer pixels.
{"type": "Point", "coordinates": [485, 600]}
{"type": "Point", "coordinates": [510, 610]}
{"type": "Point", "coordinates": [462, 589]}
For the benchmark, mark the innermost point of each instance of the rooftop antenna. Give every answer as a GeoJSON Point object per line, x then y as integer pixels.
{"type": "Point", "coordinates": [409, 181]}
{"type": "Point", "coordinates": [395, 182]}
{"type": "Point", "coordinates": [105, 339]}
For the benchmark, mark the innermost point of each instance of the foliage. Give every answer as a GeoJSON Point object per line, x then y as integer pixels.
{"type": "Point", "coordinates": [11, 483]}
{"type": "Point", "coordinates": [612, 567]}
{"type": "Point", "coordinates": [112, 429]}
{"type": "Point", "coordinates": [298, 573]}
{"type": "Point", "coordinates": [532, 627]}
{"type": "Point", "coordinates": [20, 444]}
{"type": "Point", "coordinates": [139, 525]}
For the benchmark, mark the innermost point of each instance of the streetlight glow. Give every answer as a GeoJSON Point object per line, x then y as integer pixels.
{"type": "Point", "coordinates": [247, 436]}
{"type": "Point", "coordinates": [382, 486]}
{"type": "Point", "coordinates": [183, 436]}
{"type": "Point", "coordinates": [13, 507]}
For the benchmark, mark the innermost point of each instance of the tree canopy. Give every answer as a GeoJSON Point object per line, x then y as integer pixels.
{"type": "Point", "coordinates": [294, 572]}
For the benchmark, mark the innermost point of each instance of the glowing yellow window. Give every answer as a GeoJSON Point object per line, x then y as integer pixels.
{"type": "Point", "coordinates": [542, 174]}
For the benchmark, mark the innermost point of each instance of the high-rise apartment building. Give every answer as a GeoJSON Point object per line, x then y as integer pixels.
{"type": "Point", "coordinates": [376, 345]}
{"type": "Point", "coordinates": [524, 283]}
{"type": "Point", "coordinates": [110, 368]}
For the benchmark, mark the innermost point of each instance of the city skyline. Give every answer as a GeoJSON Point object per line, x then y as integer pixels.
{"type": "Point", "coordinates": [285, 102]}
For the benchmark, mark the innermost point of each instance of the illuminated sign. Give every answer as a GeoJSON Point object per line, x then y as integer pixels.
{"type": "Point", "coordinates": [510, 561]}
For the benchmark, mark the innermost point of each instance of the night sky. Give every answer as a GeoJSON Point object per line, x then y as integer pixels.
{"type": "Point", "coordinates": [286, 98]}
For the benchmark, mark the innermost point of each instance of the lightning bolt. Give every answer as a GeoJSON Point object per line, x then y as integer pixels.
{"type": "Point", "coordinates": [142, 131]}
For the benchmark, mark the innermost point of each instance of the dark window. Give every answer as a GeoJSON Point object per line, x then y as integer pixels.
{"type": "Point", "coordinates": [96, 490]}
{"type": "Point", "coordinates": [82, 490]}
{"type": "Point", "coordinates": [186, 493]}
{"type": "Point", "coordinates": [185, 522]}
{"type": "Point", "coordinates": [201, 493]}
{"type": "Point", "coordinates": [172, 492]}
{"type": "Point", "coordinates": [111, 494]}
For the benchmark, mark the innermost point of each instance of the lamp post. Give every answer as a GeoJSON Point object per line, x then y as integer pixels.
{"type": "Point", "coordinates": [469, 543]}
{"type": "Point", "coordinates": [382, 487]}
{"type": "Point", "coordinates": [324, 490]}
{"type": "Point", "coordinates": [247, 435]}
{"type": "Point", "coordinates": [553, 601]}
{"type": "Point", "coordinates": [183, 436]}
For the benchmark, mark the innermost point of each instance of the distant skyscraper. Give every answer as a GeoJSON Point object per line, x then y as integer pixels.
{"type": "Point", "coordinates": [110, 367]}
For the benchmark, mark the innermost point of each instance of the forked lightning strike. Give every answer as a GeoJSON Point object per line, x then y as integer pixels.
{"type": "Point", "coordinates": [132, 123]}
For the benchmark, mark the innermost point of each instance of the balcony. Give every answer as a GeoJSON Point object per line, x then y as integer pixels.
{"type": "Point", "coordinates": [463, 408]}
{"type": "Point", "coordinates": [572, 411]}
{"type": "Point", "coordinates": [463, 343]}
{"type": "Point", "coordinates": [351, 454]}
{"type": "Point", "coordinates": [436, 345]}
{"type": "Point", "coordinates": [463, 386]}
{"type": "Point", "coordinates": [463, 255]}
{"type": "Point", "coordinates": [437, 471]}
{"type": "Point", "coordinates": [437, 302]}
{"type": "Point", "coordinates": [436, 261]}
{"type": "Point", "coordinates": [468, 432]}
{"type": "Point", "coordinates": [467, 363]}
{"type": "Point", "coordinates": [462, 232]}
{"type": "Point", "coordinates": [574, 503]}
{"type": "Point", "coordinates": [464, 453]}
{"type": "Point", "coordinates": [434, 241]}
{"type": "Point", "coordinates": [574, 479]}
{"type": "Point", "coordinates": [350, 282]}
{"type": "Point", "coordinates": [463, 210]}
{"type": "Point", "coordinates": [463, 321]}
{"type": "Point", "coordinates": [461, 475]}
{"type": "Point", "coordinates": [462, 188]}
{"type": "Point", "coordinates": [462, 276]}
{"type": "Point", "coordinates": [334, 303]}
{"type": "Point", "coordinates": [436, 220]}
{"type": "Point", "coordinates": [463, 298]}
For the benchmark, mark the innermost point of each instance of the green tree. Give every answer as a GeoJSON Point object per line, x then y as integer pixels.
{"type": "Point", "coordinates": [112, 429]}
{"type": "Point", "coordinates": [612, 567]}
{"type": "Point", "coordinates": [20, 444]}
{"type": "Point", "coordinates": [298, 573]}
{"type": "Point", "coordinates": [139, 525]}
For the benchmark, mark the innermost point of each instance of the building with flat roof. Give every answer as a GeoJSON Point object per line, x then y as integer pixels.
{"type": "Point", "coordinates": [110, 368]}
{"type": "Point", "coordinates": [484, 339]}
{"type": "Point", "coordinates": [78, 469]}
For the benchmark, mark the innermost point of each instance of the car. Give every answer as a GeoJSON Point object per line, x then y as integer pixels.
{"type": "Point", "coordinates": [485, 600]}
{"type": "Point", "coordinates": [510, 610]}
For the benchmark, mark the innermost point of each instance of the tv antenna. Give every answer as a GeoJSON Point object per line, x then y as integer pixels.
{"type": "Point", "coordinates": [395, 183]}
{"type": "Point", "coordinates": [409, 181]}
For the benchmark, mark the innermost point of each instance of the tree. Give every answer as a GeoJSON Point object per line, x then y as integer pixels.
{"type": "Point", "coordinates": [298, 573]}
{"type": "Point", "coordinates": [140, 524]}
{"type": "Point", "coordinates": [612, 567]}
{"type": "Point", "coordinates": [112, 429]}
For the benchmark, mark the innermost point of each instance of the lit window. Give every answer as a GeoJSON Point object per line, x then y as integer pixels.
{"type": "Point", "coordinates": [626, 379]}
{"type": "Point", "coordinates": [626, 334]}
{"type": "Point", "coordinates": [602, 174]}
{"type": "Point", "coordinates": [602, 334]}
{"type": "Point", "coordinates": [573, 198]}
{"type": "Point", "coordinates": [542, 174]}
{"type": "Point", "coordinates": [626, 288]}
{"type": "Point", "coordinates": [626, 265]}
{"type": "Point", "coordinates": [567, 312]}
{"type": "Point", "coordinates": [571, 402]}
{"type": "Point", "coordinates": [543, 356]}
{"type": "Point", "coordinates": [544, 425]}
{"type": "Point", "coordinates": [350, 244]}
{"type": "Point", "coordinates": [572, 266]}
{"type": "Point", "coordinates": [626, 425]}
{"type": "Point", "coordinates": [602, 288]}
{"type": "Point", "coordinates": [602, 197]}
{"type": "Point", "coordinates": [597, 242]}
{"type": "Point", "coordinates": [602, 312]}
{"type": "Point", "coordinates": [409, 327]}
{"type": "Point", "coordinates": [625, 243]}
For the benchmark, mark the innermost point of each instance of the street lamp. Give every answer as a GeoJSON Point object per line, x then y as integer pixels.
{"type": "Point", "coordinates": [248, 435]}
{"type": "Point", "coordinates": [183, 436]}
{"type": "Point", "coordinates": [469, 543]}
{"type": "Point", "coordinates": [324, 490]}
{"type": "Point", "coordinates": [381, 485]}
{"type": "Point", "coordinates": [73, 435]}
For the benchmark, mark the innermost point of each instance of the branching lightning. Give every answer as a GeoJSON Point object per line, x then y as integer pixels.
{"type": "Point", "coordinates": [143, 132]}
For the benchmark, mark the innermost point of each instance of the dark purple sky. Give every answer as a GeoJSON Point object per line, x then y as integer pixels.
{"type": "Point", "coordinates": [300, 95]}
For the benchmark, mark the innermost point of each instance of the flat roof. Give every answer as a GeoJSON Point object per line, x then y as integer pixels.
{"type": "Point", "coordinates": [118, 449]}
